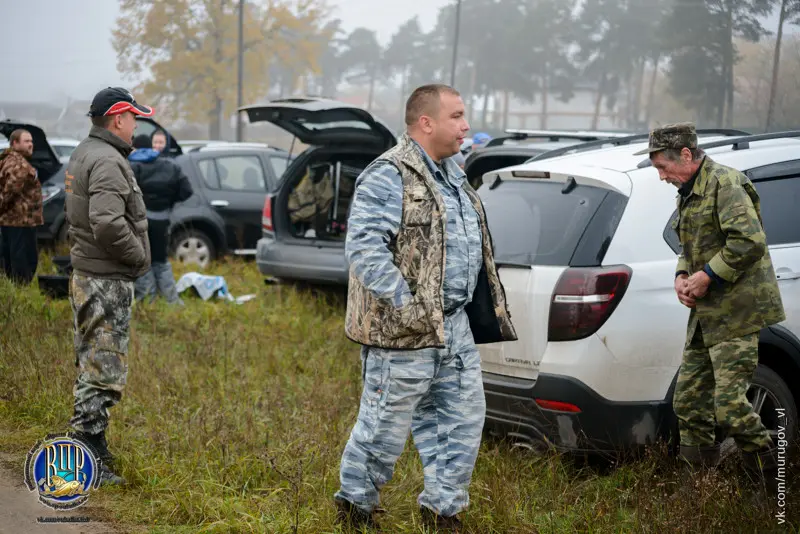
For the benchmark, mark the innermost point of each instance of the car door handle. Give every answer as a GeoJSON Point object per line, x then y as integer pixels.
{"type": "Point", "coordinates": [220, 203]}
{"type": "Point", "coordinates": [787, 275]}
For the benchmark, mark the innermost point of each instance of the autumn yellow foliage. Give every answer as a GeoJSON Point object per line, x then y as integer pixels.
{"type": "Point", "coordinates": [184, 52]}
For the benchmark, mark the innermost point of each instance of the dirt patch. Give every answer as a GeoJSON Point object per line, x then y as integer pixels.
{"type": "Point", "coordinates": [21, 508]}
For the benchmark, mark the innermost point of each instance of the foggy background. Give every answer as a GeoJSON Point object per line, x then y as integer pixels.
{"type": "Point", "coordinates": [560, 64]}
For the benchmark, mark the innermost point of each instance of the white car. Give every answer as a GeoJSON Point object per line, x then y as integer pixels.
{"type": "Point", "coordinates": [63, 147]}
{"type": "Point", "coordinates": [587, 255]}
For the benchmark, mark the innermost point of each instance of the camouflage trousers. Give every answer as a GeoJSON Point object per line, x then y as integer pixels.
{"type": "Point", "coordinates": [101, 311]}
{"type": "Point", "coordinates": [437, 394]}
{"type": "Point", "coordinates": [712, 389]}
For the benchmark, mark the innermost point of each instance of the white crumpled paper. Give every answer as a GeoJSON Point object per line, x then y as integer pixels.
{"type": "Point", "coordinates": [208, 286]}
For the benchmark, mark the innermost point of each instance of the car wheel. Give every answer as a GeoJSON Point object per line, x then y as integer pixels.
{"type": "Point", "coordinates": [193, 247]}
{"type": "Point", "coordinates": [63, 233]}
{"type": "Point", "coordinates": [770, 397]}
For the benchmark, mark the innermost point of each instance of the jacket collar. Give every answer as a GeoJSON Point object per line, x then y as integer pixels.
{"type": "Point", "coordinates": [423, 163]}
{"type": "Point", "coordinates": [104, 135]}
{"type": "Point", "coordinates": [701, 178]}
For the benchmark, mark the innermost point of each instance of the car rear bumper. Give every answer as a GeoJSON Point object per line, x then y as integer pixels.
{"type": "Point", "coordinates": [300, 262]}
{"type": "Point", "coordinates": [602, 426]}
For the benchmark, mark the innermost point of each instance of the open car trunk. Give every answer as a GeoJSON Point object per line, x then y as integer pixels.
{"type": "Point", "coordinates": [44, 159]}
{"type": "Point", "coordinates": [318, 204]}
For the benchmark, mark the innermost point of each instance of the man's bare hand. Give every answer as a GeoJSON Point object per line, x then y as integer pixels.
{"type": "Point", "coordinates": [682, 290]}
{"type": "Point", "coordinates": [698, 284]}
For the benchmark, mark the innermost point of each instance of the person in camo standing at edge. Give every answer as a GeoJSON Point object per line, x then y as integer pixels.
{"type": "Point", "coordinates": [109, 250]}
{"type": "Point", "coordinates": [423, 290]}
{"type": "Point", "coordinates": [725, 276]}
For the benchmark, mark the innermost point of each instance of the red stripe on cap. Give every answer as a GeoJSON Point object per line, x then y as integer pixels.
{"type": "Point", "coordinates": [119, 107]}
{"type": "Point", "coordinates": [122, 107]}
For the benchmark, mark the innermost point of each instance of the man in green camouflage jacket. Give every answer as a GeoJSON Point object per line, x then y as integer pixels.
{"type": "Point", "coordinates": [725, 276]}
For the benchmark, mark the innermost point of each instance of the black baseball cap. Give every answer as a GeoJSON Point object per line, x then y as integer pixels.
{"type": "Point", "coordinates": [116, 100]}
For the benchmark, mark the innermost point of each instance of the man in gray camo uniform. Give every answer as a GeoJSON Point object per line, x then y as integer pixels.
{"type": "Point", "coordinates": [423, 291]}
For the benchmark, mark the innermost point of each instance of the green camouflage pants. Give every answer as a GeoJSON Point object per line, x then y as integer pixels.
{"type": "Point", "coordinates": [102, 311]}
{"type": "Point", "coordinates": [712, 387]}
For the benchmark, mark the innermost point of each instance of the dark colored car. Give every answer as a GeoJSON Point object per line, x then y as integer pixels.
{"type": "Point", "coordinates": [230, 182]}
{"type": "Point", "coordinates": [305, 220]}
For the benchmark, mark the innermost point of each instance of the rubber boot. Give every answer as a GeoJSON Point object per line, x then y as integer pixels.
{"type": "Point", "coordinates": [762, 466]}
{"type": "Point", "coordinates": [100, 445]}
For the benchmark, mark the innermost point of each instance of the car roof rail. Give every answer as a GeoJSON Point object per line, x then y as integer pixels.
{"type": "Point", "coordinates": [553, 135]}
{"type": "Point", "coordinates": [737, 143]}
{"type": "Point", "coordinates": [622, 141]}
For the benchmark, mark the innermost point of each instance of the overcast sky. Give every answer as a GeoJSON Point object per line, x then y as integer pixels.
{"type": "Point", "coordinates": [54, 49]}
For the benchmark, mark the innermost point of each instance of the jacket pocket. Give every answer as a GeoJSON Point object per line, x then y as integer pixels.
{"type": "Point", "coordinates": [418, 210]}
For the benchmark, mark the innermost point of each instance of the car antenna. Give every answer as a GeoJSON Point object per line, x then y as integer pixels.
{"type": "Point", "coordinates": [569, 185]}
{"type": "Point", "coordinates": [497, 181]}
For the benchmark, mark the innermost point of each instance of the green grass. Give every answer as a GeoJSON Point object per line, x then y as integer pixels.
{"type": "Point", "coordinates": [235, 417]}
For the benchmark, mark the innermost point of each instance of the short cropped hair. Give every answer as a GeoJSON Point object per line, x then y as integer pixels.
{"type": "Point", "coordinates": [103, 121]}
{"type": "Point", "coordinates": [425, 101]}
{"type": "Point", "coordinates": [16, 135]}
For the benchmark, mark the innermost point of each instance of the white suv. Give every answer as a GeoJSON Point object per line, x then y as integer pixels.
{"type": "Point", "coordinates": [587, 255]}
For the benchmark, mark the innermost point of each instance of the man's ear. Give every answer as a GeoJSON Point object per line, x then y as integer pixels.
{"type": "Point", "coordinates": [686, 155]}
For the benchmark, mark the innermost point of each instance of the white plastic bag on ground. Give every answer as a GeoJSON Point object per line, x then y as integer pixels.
{"type": "Point", "coordinates": [208, 286]}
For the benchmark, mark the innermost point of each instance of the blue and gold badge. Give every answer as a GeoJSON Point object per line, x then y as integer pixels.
{"type": "Point", "coordinates": [63, 470]}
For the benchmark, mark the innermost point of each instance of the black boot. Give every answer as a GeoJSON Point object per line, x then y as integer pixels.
{"type": "Point", "coordinates": [762, 466]}
{"type": "Point", "coordinates": [439, 522]}
{"type": "Point", "coordinates": [100, 446]}
{"type": "Point", "coordinates": [349, 514]}
{"type": "Point", "coordinates": [700, 458]}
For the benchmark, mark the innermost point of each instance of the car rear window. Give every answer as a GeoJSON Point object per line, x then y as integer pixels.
{"type": "Point", "coordinates": [537, 222]}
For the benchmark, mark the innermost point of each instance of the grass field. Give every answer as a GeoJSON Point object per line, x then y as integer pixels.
{"type": "Point", "coordinates": [235, 417]}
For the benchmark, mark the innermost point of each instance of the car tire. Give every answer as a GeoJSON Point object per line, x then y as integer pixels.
{"type": "Point", "coordinates": [769, 392]}
{"type": "Point", "coordinates": [192, 247]}
{"type": "Point", "coordinates": [63, 233]}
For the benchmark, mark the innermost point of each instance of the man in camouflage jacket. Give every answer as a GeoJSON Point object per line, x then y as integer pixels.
{"type": "Point", "coordinates": [20, 208]}
{"type": "Point", "coordinates": [725, 276]}
{"type": "Point", "coordinates": [423, 291]}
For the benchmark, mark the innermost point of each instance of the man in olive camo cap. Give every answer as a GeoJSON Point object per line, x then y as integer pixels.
{"type": "Point", "coordinates": [725, 276]}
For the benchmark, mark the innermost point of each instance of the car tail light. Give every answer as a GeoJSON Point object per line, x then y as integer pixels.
{"type": "Point", "coordinates": [584, 299]}
{"type": "Point", "coordinates": [266, 215]}
{"type": "Point", "coordinates": [557, 406]}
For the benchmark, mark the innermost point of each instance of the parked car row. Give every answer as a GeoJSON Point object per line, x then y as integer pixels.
{"type": "Point", "coordinates": [230, 181]}
{"type": "Point", "coordinates": [586, 251]}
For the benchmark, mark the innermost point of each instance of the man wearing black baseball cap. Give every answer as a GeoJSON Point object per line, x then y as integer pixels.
{"type": "Point", "coordinates": [109, 250]}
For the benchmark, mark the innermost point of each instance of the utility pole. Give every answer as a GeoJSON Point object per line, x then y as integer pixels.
{"type": "Point", "coordinates": [455, 44]}
{"type": "Point", "coordinates": [240, 61]}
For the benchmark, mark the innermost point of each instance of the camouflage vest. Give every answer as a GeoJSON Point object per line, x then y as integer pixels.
{"type": "Point", "coordinates": [419, 253]}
